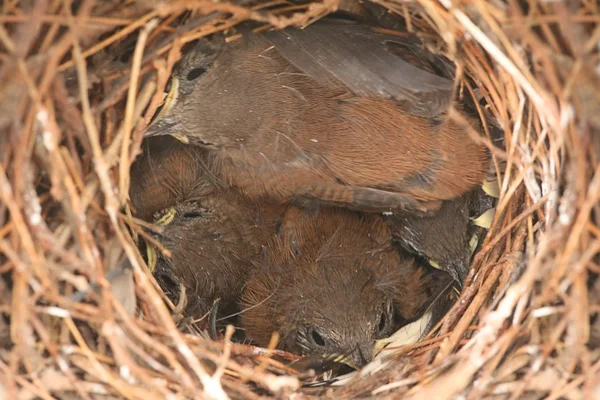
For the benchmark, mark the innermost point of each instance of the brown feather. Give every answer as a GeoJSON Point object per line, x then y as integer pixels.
{"type": "Point", "coordinates": [216, 235]}
{"type": "Point", "coordinates": [276, 131]}
{"type": "Point", "coordinates": [335, 273]}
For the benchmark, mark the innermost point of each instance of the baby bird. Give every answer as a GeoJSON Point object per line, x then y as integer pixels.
{"type": "Point", "coordinates": [448, 237]}
{"type": "Point", "coordinates": [332, 284]}
{"type": "Point", "coordinates": [333, 114]}
{"type": "Point", "coordinates": [214, 234]}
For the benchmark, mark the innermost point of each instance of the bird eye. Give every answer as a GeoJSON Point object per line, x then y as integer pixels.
{"type": "Point", "coordinates": [317, 338]}
{"type": "Point", "coordinates": [387, 318]}
{"type": "Point", "coordinates": [195, 73]}
{"type": "Point", "coordinates": [192, 215]}
{"type": "Point", "coordinates": [382, 322]}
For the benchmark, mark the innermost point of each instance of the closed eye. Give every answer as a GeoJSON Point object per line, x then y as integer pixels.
{"type": "Point", "coordinates": [195, 73]}
{"type": "Point", "coordinates": [382, 320]}
{"type": "Point", "coordinates": [388, 319]}
{"type": "Point", "coordinates": [317, 338]}
{"type": "Point", "coordinates": [192, 215]}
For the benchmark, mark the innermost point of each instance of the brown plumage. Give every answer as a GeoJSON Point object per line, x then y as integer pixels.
{"type": "Point", "coordinates": [332, 284]}
{"type": "Point", "coordinates": [215, 235]}
{"type": "Point", "coordinates": [330, 114]}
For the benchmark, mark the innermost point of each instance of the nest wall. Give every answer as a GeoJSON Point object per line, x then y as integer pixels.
{"type": "Point", "coordinates": [80, 80]}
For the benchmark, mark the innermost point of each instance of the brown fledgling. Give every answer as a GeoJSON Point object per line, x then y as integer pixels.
{"type": "Point", "coordinates": [332, 284]}
{"type": "Point", "coordinates": [331, 114]}
{"type": "Point", "coordinates": [215, 235]}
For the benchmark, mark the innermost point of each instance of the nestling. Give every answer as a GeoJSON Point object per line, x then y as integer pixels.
{"type": "Point", "coordinates": [215, 235]}
{"type": "Point", "coordinates": [443, 238]}
{"type": "Point", "coordinates": [332, 284]}
{"type": "Point", "coordinates": [331, 114]}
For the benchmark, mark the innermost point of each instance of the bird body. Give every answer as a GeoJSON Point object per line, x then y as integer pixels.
{"type": "Point", "coordinates": [316, 134]}
{"type": "Point", "coordinates": [447, 237]}
{"type": "Point", "coordinates": [332, 284]}
{"type": "Point", "coordinates": [336, 115]}
{"type": "Point", "coordinates": [215, 235]}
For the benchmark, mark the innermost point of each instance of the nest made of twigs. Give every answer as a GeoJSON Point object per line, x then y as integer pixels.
{"type": "Point", "coordinates": [79, 82]}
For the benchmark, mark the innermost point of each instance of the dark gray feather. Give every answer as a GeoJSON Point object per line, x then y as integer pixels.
{"type": "Point", "coordinates": [362, 60]}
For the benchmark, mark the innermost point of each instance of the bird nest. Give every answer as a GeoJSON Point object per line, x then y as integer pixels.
{"type": "Point", "coordinates": [80, 80]}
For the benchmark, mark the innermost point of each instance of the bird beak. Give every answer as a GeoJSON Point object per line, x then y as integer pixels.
{"type": "Point", "coordinates": [151, 253]}
{"type": "Point", "coordinates": [458, 271]}
{"type": "Point", "coordinates": [152, 257]}
{"type": "Point", "coordinates": [170, 100]}
{"type": "Point", "coordinates": [491, 188]}
{"type": "Point", "coordinates": [164, 126]}
{"type": "Point", "coordinates": [165, 123]}
{"type": "Point", "coordinates": [361, 356]}
{"type": "Point", "coordinates": [485, 220]}
{"type": "Point", "coordinates": [167, 218]}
